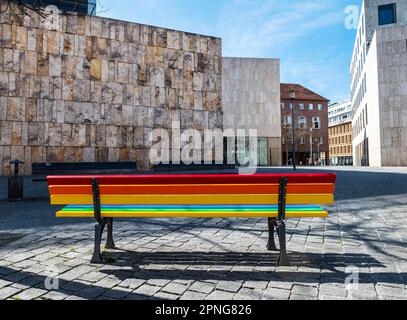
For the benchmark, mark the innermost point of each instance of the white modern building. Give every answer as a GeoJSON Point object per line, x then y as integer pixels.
{"type": "Point", "coordinates": [339, 113]}
{"type": "Point", "coordinates": [340, 134]}
{"type": "Point", "coordinates": [379, 85]}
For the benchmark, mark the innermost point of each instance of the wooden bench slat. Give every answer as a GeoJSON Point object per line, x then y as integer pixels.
{"type": "Point", "coordinates": [235, 199]}
{"type": "Point", "coordinates": [191, 179]}
{"type": "Point", "coordinates": [196, 211]}
{"type": "Point", "coordinates": [194, 189]}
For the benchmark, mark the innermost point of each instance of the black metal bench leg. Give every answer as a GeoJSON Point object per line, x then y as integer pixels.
{"type": "Point", "coordinates": [97, 256]}
{"type": "Point", "coordinates": [110, 242]}
{"type": "Point", "coordinates": [271, 246]}
{"type": "Point", "coordinates": [283, 259]}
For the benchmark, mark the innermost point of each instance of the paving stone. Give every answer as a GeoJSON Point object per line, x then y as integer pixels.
{"type": "Point", "coordinates": [30, 294]}
{"type": "Point", "coordinates": [117, 293]}
{"type": "Point", "coordinates": [258, 285]}
{"type": "Point", "coordinates": [304, 290]}
{"type": "Point", "coordinates": [330, 298]}
{"type": "Point", "coordinates": [202, 287]}
{"type": "Point", "coordinates": [220, 295]}
{"type": "Point", "coordinates": [91, 292]}
{"type": "Point", "coordinates": [75, 298]}
{"type": "Point", "coordinates": [193, 295]}
{"type": "Point", "coordinates": [147, 290]}
{"type": "Point", "coordinates": [16, 276]}
{"type": "Point", "coordinates": [108, 282]}
{"type": "Point", "coordinates": [175, 288]}
{"type": "Point", "coordinates": [92, 276]}
{"type": "Point", "coordinates": [8, 292]}
{"type": "Point", "coordinates": [4, 283]}
{"type": "Point", "coordinates": [229, 286]}
{"type": "Point", "coordinates": [248, 294]}
{"type": "Point", "coordinates": [158, 282]}
{"type": "Point", "coordinates": [276, 294]}
{"type": "Point", "coordinates": [55, 295]}
{"type": "Point", "coordinates": [329, 289]}
{"type": "Point", "coordinates": [132, 283]}
{"type": "Point", "coordinates": [73, 286]}
{"type": "Point", "coordinates": [166, 296]}
{"type": "Point", "coordinates": [385, 292]}
{"type": "Point", "coordinates": [302, 297]}
{"type": "Point", "coordinates": [76, 272]}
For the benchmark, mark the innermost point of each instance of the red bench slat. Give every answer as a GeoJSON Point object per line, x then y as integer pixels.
{"type": "Point", "coordinates": [191, 179]}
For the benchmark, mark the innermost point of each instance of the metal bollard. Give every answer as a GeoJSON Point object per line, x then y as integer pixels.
{"type": "Point", "coordinates": [16, 184]}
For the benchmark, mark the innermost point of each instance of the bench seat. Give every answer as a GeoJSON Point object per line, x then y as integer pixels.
{"type": "Point", "coordinates": [194, 211]}
{"type": "Point", "coordinates": [277, 197]}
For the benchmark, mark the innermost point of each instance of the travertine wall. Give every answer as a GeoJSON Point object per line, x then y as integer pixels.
{"type": "Point", "coordinates": [94, 88]}
{"type": "Point", "coordinates": [392, 74]}
{"type": "Point", "coordinates": [371, 8]}
{"type": "Point", "coordinates": [251, 99]}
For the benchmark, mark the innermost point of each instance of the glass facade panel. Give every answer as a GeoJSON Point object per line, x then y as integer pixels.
{"type": "Point", "coordinates": [80, 6]}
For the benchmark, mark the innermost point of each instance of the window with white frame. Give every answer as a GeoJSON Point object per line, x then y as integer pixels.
{"type": "Point", "coordinates": [302, 140]}
{"type": "Point", "coordinates": [302, 106]}
{"type": "Point", "coordinates": [320, 107]}
{"type": "Point", "coordinates": [321, 140]}
{"type": "Point", "coordinates": [310, 107]}
{"type": "Point", "coordinates": [287, 120]}
{"type": "Point", "coordinates": [302, 122]}
{"type": "Point", "coordinates": [316, 123]}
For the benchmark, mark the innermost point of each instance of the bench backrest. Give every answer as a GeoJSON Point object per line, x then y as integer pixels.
{"type": "Point", "coordinates": [202, 189]}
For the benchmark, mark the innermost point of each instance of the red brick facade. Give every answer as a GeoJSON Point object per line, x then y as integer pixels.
{"type": "Point", "coordinates": [308, 108]}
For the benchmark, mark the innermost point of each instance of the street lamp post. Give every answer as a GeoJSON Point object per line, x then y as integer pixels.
{"type": "Point", "coordinates": [311, 145]}
{"type": "Point", "coordinates": [292, 95]}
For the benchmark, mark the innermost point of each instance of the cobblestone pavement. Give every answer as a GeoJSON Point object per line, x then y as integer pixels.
{"type": "Point", "coordinates": [214, 258]}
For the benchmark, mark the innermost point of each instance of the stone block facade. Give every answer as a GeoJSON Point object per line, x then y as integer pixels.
{"type": "Point", "coordinates": [251, 100]}
{"type": "Point", "coordinates": [92, 89]}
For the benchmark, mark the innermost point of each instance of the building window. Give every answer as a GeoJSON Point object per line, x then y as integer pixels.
{"type": "Point", "coordinates": [316, 123]}
{"type": "Point", "coordinates": [282, 105]}
{"type": "Point", "coordinates": [310, 107]}
{"type": "Point", "coordinates": [302, 139]}
{"type": "Point", "coordinates": [302, 123]}
{"type": "Point", "coordinates": [302, 107]}
{"type": "Point", "coordinates": [287, 120]}
{"type": "Point", "coordinates": [321, 140]}
{"type": "Point", "coordinates": [387, 14]}
{"type": "Point", "coordinates": [320, 107]}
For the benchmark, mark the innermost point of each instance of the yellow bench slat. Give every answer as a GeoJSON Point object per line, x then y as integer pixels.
{"type": "Point", "coordinates": [219, 199]}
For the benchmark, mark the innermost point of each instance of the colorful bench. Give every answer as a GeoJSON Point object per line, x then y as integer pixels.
{"type": "Point", "coordinates": [273, 196]}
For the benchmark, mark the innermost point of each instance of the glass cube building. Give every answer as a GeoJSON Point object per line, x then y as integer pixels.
{"type": "Point", "coordinates": [79, 6]}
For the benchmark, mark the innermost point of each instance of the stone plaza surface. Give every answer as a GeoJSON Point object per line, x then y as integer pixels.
{"type": "Point", "coordinates": [205, 259]}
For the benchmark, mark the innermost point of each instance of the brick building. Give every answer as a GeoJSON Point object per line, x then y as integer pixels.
{"type": "Point", "coordinates": [311, 121]}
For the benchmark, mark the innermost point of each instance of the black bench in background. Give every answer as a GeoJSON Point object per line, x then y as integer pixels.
{"type": "Point", "coordinates": [192, 167]}
{"type": "Point", "coordinates": [82, 168]}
